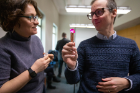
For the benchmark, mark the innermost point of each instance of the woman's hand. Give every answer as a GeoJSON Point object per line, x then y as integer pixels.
{"type": "Point", "coordinates": [69, 55]}
{"type": "Point", "coordinates": [42, 63]}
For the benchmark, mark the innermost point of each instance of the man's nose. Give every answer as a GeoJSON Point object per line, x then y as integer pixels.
{"type": "Point", "coordinates": [94, 16]}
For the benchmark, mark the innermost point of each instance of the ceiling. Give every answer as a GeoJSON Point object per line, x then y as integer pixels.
{"type": "Point", "coordinates": [60, 5]}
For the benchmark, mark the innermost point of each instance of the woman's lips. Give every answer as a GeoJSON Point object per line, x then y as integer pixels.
{"type": "Point", "coordinates": [34, 28]}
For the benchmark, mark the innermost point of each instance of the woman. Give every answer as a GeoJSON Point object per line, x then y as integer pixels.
{"type": "Point", "coordinates": [21, 53]}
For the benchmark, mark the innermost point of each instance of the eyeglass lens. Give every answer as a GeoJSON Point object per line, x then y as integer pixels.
{"type": "Point", "coordinates": [33, 18]}
{"type": "Point", "coordinates": [98, 12]}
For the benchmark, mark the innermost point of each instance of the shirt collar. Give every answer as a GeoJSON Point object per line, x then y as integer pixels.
{"type": "Point", "coordinates": [100, 36]}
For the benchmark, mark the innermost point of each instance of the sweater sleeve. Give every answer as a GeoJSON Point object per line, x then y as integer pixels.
{"type": "Point", "coordinates": [73, 77]}
{"type": "Point", "coordinates": [134, 68]}
{"type": "Point", "coordinates": [5, 66]}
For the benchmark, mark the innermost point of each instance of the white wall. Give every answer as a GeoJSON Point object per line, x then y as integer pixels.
{"type": "Point", "coordinates": [134, 14]}
{"type": "Point", "coordinates": [51, 16]}
{"type": "Point", "coordinates": [2, 33]}
{"type": "Point", "coordinates": [83, 34]}
{"type": "Point", "coordinates": [65, 20]}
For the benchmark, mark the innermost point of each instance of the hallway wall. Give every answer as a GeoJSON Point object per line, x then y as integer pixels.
{"type": "Point", "coordinates": [132, 33]}
{"type": "Point", "coordinates": [50, 16]}
{"type": "Point", "coordinates": [2, 33]}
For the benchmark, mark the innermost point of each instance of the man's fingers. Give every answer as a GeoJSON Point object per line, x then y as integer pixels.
{"type": "Point", "coordinates": [69, 56]}
{"type": "Point", "coordinates": [106, 79]}
{"type": "Point", "coordinates": [70, 44]}
{"type": "Point", "coordinates": [107, 83]}
{"type": "Point", "coordinates": [106, 88]}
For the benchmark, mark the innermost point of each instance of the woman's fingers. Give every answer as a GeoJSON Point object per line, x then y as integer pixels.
{"type": "Point", "coordinates": [51, 56]}
{"type": "Point", "coordinates": [45, 57]}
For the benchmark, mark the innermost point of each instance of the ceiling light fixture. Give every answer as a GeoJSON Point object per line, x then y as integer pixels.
{"type": "Point", "coordinates": [87, 9]}
{"type": "Point", "coordinates": [82, 25]}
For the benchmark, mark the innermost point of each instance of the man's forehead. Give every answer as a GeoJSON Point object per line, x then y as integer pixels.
{"type": "Point", "coordinates": [99, 4]}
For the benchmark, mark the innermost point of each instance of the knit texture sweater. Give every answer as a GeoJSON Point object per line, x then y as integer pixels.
{"type": "Point", "coordinates": [18, 54]}
{"type": "Point", "coordinates": [99, 59]}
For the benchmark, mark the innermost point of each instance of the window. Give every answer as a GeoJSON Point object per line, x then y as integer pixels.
{"type": "Point", "coordinates": [39, 28]}
{"type": "Point", "coordinates": [54, 36]}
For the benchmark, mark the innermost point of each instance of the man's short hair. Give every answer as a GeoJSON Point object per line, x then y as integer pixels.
{"type": "Point", "coordinates": [63, 34]}
{"type": "Point", "coordinates": [111, 4]}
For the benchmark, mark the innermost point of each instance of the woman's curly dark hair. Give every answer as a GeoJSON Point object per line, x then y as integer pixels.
{"type": "Point", "coordinates": [11, 9]}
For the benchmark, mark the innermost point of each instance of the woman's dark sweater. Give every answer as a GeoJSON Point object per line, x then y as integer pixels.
{"type": "Point", "coordinates": [18, 54]}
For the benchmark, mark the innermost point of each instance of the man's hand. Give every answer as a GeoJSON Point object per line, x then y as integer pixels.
{"type": "Point", "coordinates": [69, 55]}
{"type": "Point", "coordinates": [113, 85]}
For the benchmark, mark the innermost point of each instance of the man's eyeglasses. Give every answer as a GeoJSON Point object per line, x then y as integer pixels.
{"type": "Point", "coordinates": [98, 12]}
{"type": "Point", "coordinates": [32, 18]}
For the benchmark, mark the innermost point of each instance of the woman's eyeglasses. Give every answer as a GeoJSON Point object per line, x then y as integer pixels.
{"type": "Point", "coordinates": [32, 18]}
{"type": "Point", "coordinates": [98, 12]}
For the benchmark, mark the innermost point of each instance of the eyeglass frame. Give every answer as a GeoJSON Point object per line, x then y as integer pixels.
{"type": "Point", "coordinates": [30, 17]}
{"type": "Point", "coordinates": [95, 13]}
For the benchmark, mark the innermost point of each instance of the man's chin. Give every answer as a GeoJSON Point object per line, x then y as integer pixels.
{"type": "Point", "coordinates": [98, 29]}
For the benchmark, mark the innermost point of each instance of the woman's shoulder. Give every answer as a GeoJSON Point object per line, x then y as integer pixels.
{"type": "Point", "coordinates": [35, 37]}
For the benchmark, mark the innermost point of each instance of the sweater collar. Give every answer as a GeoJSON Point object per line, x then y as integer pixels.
{"type": "Point", "coordinates": [18, 37]}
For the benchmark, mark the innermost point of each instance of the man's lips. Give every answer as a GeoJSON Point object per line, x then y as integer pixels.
{"type": "Point", "coordinates": [96, 22]}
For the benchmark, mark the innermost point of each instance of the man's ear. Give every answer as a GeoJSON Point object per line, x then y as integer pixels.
{"type": "Point", "coordinates": [114, 12]}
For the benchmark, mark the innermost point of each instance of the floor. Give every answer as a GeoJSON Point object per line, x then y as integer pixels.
{"type": "Point", "coordinates": [63, 87]}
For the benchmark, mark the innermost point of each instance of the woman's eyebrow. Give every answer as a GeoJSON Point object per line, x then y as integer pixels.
{"type": "Point", "coordinates": [31, 14]}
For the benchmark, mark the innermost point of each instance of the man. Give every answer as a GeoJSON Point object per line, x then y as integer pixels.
{"type": "Point", "coordinates": [59, 47]}
{"type": "Point", "coordinates": [103, 62]}
{"type": "Point", "coordinates": [50, 76]}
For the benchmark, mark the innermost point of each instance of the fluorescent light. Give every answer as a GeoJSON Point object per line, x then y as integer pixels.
{"type": "Point", "coordinates": [123, 11]}
{"type": "Point", "coordinates": [81, 6]}
{"type": "Point", "coordinates": [87, 9]}
{"type": "Point", "coordinates": [72, 6]}
{"type": "Point", "coordinates": [82, 9]}
{"type": "Point", "coordinates": [82, 25]}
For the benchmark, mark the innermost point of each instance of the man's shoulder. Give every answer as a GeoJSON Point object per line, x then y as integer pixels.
{"type": "Point", "coordinates": [67, 40]}
{"type": "Point", "coordinates": [64, 39]}
{"type": "Point", "coordinates": [92, 39]}
{"type": "Point", "coordinates": [126, 40]}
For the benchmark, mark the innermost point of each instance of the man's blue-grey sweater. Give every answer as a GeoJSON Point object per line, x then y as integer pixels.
{"type": "Point", "coordinates": [99, 59]}
{"type": "Point", "coordinates": [18, 54]}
